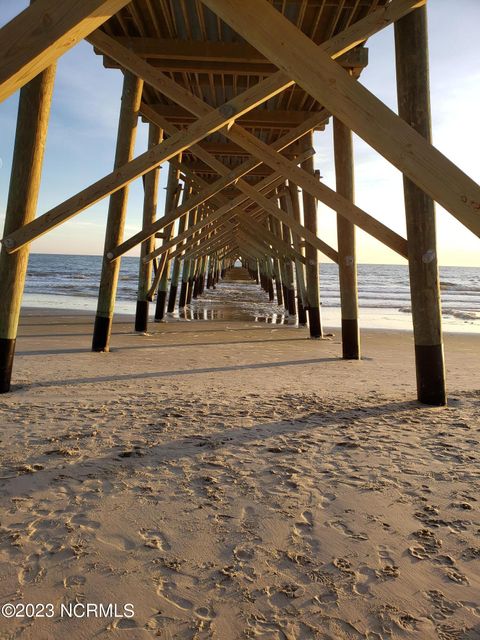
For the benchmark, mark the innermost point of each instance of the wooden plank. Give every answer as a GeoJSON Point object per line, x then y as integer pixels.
{"type": "Point", "coordinates": [40, 34]}
{"type": "Point", "coordinates": [354, 105]}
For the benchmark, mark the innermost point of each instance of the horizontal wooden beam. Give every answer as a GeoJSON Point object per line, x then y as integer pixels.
{"type": "Point", "coordinates": [212, 51]}
{"type": "Point", "coordinates": [197, 56]}
{"type": "Point", "coordinates": [40, 34]}
{"type": "Point", "coordinates": [258, 118]}
{"type": "Point", "coordinates": [202, 169]}
{"type": "Point", "coordinates": [354, 105]}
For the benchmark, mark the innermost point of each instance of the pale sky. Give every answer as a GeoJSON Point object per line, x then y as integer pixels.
{"type": "Point", "coordinates": [81, 141]}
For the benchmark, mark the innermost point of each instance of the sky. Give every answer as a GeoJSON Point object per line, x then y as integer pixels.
{"type": "Point", "coordinates": [82, 134]}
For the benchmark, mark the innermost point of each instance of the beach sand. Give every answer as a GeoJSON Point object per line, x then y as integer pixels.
{"type": "Point", "coordinates": [238, 480]}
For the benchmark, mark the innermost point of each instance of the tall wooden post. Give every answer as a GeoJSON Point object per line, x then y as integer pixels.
{"type": "Point", "coordinates": [171, 199]}
{"type": "Point", "coordinates": [411, 45]}
{"type": "Point", "coordinates": [347, 260]}
{"type": "Point", "coordinates": [117, 211]}
{"type": "Point", "coordinates": [187, 265]}
{"type": "Point", "coordinates": [150, 185]}
{"type": "Point", "coordinates": [311, 253]}
{"type": "Point", "coordinates": [288, 263]}
{"type": "Point", "coordinates": [293, 206]}
{"type": "Point", "coordinates": [172, 296]}
{"type": "Point", "coordinates": [30, 138]}
{"type": "Point", "coordinates": [274, 227]}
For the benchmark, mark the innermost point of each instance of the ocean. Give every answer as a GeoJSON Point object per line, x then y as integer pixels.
{"type": "Point", "coordinates": [71, 282]}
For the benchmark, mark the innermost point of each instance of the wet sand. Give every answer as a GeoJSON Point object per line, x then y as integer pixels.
{"type": "Point", "coordinates": [238, 480]}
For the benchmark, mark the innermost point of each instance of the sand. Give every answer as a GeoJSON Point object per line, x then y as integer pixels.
{"type": "Point", "coordinates": [238, 480]}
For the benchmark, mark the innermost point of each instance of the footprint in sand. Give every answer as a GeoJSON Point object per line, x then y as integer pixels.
{"type": "Point", "coordinates": [305, 522]}
{"type": "Point", "coordinates": [343, 565]}
{"type": "Point", "coordinates": [387, 572]}
{"type": "Point", "coordinates": [443, 608]}
{"type": "Point", "coordinates": [456, 576]}
{"type": "Point", "coordinates": [167, 590]}
{"type": "Point", "coordinates": [243, 554]}
{"type": "Point", "coordinates": [155, 539]}
{"type": "Point", "coordinates": [341, 526]}
{"type": "Point", "coordinates": [32, 571]}
{"type": "Point", "coordinates": [118, 542]}
{"type": "Point", "coordinates": [326, 500]}
{"type": "Point", "coordinates": [84, 522]}
{"type": "Point", "coordinates": [204, 613]}
{"type": "Point", "coordinates": [74, 581]}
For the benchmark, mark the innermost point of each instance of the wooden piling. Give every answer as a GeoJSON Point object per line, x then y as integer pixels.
{"type": "Point", "coordinates": [30, 138]}
{"type": "Point", "coordinates": [187, 266]}
{"type": "Point", "coordinates": [171, 199]}
{"type": "Point", "coordinates": [411, 45]}
{"type": "Point", "coordinates": [311, 253]}
{"type": "Point", "coordinates": [274, 227]}
{"type": "Point", "coordinates": [293, 207]}
{"type": "Point", "coordinates": [155, 136]}
{"type": "Point", "coordinates": [172, 296]}
{"type": "Point", "coordinates": [288, 263]}
{"type": "Point", "coordinates": [117, 210]}
{"type": "Point", "coordinates": [347, 259]}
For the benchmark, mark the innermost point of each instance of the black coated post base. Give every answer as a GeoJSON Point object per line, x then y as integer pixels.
{"type": "Point", "coordinates": [172, 298]}
{"type": "Point", "coordinates": [7, 351]}
{"type": "Point", "coordinates": [314, 322]}
{"type": "Point", "coordinates": [101, 334]}
{"type": "Point", "coordinates": [292, 306]}
{"type": "Point", "coordinates": [430, 375]}
{"type": "Point", "coordinates": [141, 316]}
{"type": "Point", "coordinates": [191, 283]}
{"type": "Point", "coordinates": [302, 314]}
{"type": "Point", "coordinates": [285, 296]}
{"type": "Point", "coordinates": [271, 295]}
{"type": "Point", "coordinates": [350, 341]}
{"type": "Point", "coordinates": [196, 288]}
{"type": "Point", "coordinates": [160, 306]}
{"type": "Point", "coordinates": [278, 287]}
{"type": "Point", "coordinates": [183, 295]}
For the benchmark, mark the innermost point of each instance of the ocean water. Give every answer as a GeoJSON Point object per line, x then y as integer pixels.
{"type": "Point", "coordinates": [71, 282]}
